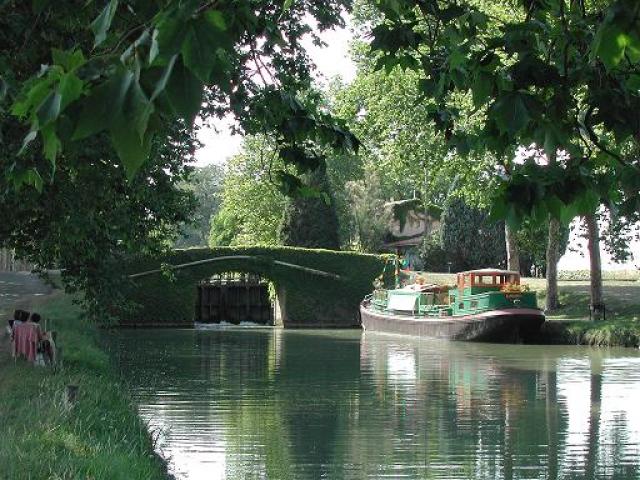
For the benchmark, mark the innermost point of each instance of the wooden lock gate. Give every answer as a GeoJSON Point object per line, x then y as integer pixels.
{"type": "Point", "coordinates": [234, 297]}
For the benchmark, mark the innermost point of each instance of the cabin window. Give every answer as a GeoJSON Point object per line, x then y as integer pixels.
{"type": "Point", "coordinates": [485, 280]}
{"type": "Point", "coordinates": [474, 304]}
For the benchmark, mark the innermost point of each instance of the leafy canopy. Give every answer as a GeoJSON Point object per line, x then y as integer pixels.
{"type": "Point", "coordinates": [561, 74]}
{"type": "Point", "coordinates": [152, 61]}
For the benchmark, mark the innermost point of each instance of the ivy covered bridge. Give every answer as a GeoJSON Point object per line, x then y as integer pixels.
{"type": "Point", "coordinates": [309, 287]}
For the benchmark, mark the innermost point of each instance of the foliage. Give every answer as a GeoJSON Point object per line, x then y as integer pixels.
{"type": "Point", "coordinates": [432, 254]}
{"type": "Point", "coordinates": [370, 219]}
{"type": "Point", "coordinates": [469, 239]}
{"type": "Point", "coordinates": [251, 204]}
{"type": "Point", "coordinates": [100, 437]}
{"type": "Point", "coordinates": [205, 183]}
{"type": "Point", "coordinates": [311, 222]}
{"type": "Point", "coordinates": [153, 62]}
{"type": "Point", "coordinates": [400, 145]}
{"type": "Point", "coordinates": [560, 74]}
{"type": "Point", "coordinates": [92, 214]}
{"type": "Point", "coordinates": [311, 300]}
{"type": "Point", "coordinates": [531, 240]}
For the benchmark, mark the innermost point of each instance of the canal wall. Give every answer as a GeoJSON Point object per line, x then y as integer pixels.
{"type": "Point", "coordinates": [166, 296]}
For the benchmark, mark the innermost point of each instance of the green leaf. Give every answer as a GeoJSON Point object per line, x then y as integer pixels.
{"type": "Point", "coordinates": [130, 148]}
{"type": "Point", "coordinates": [32, 177]}
{"type": "Point", "coordinates": [161, 84]}
{"type": "Point", "coordinates": [184, 92]}
{"type": "Point", "coordinates": [169, 35]}
{"type": "Point", "coordinates": [510, 113]}
{"type": "Point", "coordinates": [286, 6]}
{"type": "Point", "coordinates": [554, 206]}
{"type": "Point", "coordinates": [34, 95]}
{"type": "Point", "coordinates": [215, 18]}
{"type": "Point", "coordinates": [154, 49]}
{"type": "Point", "coordinates": [139, 109]}
{"type": "Point", "coordinates": [103, 105]}
{"type": "Point", "coordinates": [49, 109]}
{"type": "Point", "coordinates": [29, 137]}
{"type": "Point", "coordinates": [70, 89]}
{"type": "Point", "coordinates": [52, 145]}
{"type": "Point", "coordinates": [199, 47]}
{"type": "Point", "coordinates": [68, 59]}
{"type": "Point", "coordinates": [101, 24]}
{"type": "Point", "coordinates": [482, 88]}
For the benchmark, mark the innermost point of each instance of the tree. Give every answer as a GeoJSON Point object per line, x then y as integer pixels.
{"type": "Point", "coordinates": [531, 241]}
{"type": "Point", "coordinates": [370, 219]}
{"type": "Point", "coordinates": [469, 239]}
{"type": "Point", "coordinates": [252, 206]}
{"type": "Point", "coordinates": [88, 219]}
{"type": "Point", "coordinates": [205, 183]}
{"type": "Point", "coordinates": [311, 221]}
{"type": "Point", "coordinates": [560, 74]}
{"type": "Point", "coordinates": [151, 62]}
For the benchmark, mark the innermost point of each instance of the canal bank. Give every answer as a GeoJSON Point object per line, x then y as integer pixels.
{"type": "Point", "coordinates": [100, 437]}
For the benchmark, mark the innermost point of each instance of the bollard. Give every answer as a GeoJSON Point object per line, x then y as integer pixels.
{"type": "Point", "coordinates": [71, 395]}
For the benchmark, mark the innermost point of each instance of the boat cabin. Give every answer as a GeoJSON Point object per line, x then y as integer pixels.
{"type": "Point", "coordinates": [485, 280]}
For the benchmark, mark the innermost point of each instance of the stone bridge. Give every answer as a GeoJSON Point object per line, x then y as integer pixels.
{"type": "Point", "coordinates": [310, 287]}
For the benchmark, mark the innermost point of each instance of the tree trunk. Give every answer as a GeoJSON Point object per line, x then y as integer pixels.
{"type": "Point", "coordinates": [552, 264]}
{"type": "Point", "coordinates": [513, 255]}
{"type": "Point", "coordinates": [595, 264]}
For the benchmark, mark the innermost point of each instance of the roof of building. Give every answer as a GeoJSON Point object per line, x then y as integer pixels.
{"type": "Point", "coordinates": [491, 271]}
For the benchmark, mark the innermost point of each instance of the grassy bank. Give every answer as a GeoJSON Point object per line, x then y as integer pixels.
{"type": "Point", "coordinates": [570, 324]}
{"type": "Point", "coordinates": [101, 437]}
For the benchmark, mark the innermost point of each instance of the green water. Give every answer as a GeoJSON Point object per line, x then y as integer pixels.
{"type": "Point", "coordinates": [251, 403]}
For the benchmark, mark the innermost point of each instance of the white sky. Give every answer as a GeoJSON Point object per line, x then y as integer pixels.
{"type": "Point", "coordinates": [332, 60]}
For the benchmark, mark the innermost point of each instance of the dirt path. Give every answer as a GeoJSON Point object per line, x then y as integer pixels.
{"type": "Point", "coordinates": [17, 290]}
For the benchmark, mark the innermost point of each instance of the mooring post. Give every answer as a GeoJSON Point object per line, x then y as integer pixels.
{"type": "Point", "coordinates": [71, 395]}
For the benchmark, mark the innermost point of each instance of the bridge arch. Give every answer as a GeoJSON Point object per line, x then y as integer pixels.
{"type": "Point", "coordinates": [314, 287]}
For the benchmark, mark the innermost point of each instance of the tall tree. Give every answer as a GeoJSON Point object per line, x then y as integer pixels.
{"type": "Point", "coordinates": [205, 183]}
{"type": "Point", "coordinates": [311, 222]}
{"type": "Point", "coordinates": [513, 253]}
{"type": "Point", "coordinates": [252, 206]}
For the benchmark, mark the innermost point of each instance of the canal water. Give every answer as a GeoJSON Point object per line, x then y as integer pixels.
{"type": "Point", "coordinates": [263, 403]}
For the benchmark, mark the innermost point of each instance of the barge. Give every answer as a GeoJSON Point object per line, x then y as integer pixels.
{"type": "Point", "coordinates": [485, 305]}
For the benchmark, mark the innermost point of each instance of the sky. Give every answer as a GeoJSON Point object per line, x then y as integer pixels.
{"type": "Point", "coordinates": [332, 60]}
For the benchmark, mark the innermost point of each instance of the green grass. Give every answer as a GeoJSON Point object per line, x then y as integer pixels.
{"type": "Point", "coordinates": [101, 437]}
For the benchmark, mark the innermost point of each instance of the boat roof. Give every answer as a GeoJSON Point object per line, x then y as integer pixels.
{"type": "Point", "coordinates": [490, 271]}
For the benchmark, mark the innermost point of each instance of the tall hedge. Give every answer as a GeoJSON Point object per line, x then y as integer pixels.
{"type": "Point", "coordinates": [312, 222]}
{"type": "Point", "coordinates": [311, 300]}
{"type": "Point", "coordinates": [469, 239]}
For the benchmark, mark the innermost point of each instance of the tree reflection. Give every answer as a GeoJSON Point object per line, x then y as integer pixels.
{"type": "Point", "coordinates": [274, 404]}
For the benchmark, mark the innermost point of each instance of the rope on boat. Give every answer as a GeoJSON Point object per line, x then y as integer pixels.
{"type": "Point", "coordinates": [236, 257]}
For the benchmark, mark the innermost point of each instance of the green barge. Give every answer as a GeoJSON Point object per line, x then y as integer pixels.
{"type": "Point", "coordinates": [484, 305]}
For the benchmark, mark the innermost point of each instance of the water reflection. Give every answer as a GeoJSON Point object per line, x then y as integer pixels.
{"type": "Point", "coordinates": [244, 403]}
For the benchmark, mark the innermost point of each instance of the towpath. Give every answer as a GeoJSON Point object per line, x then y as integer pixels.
{"type": "Point", "coordinates": [17, 290]}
